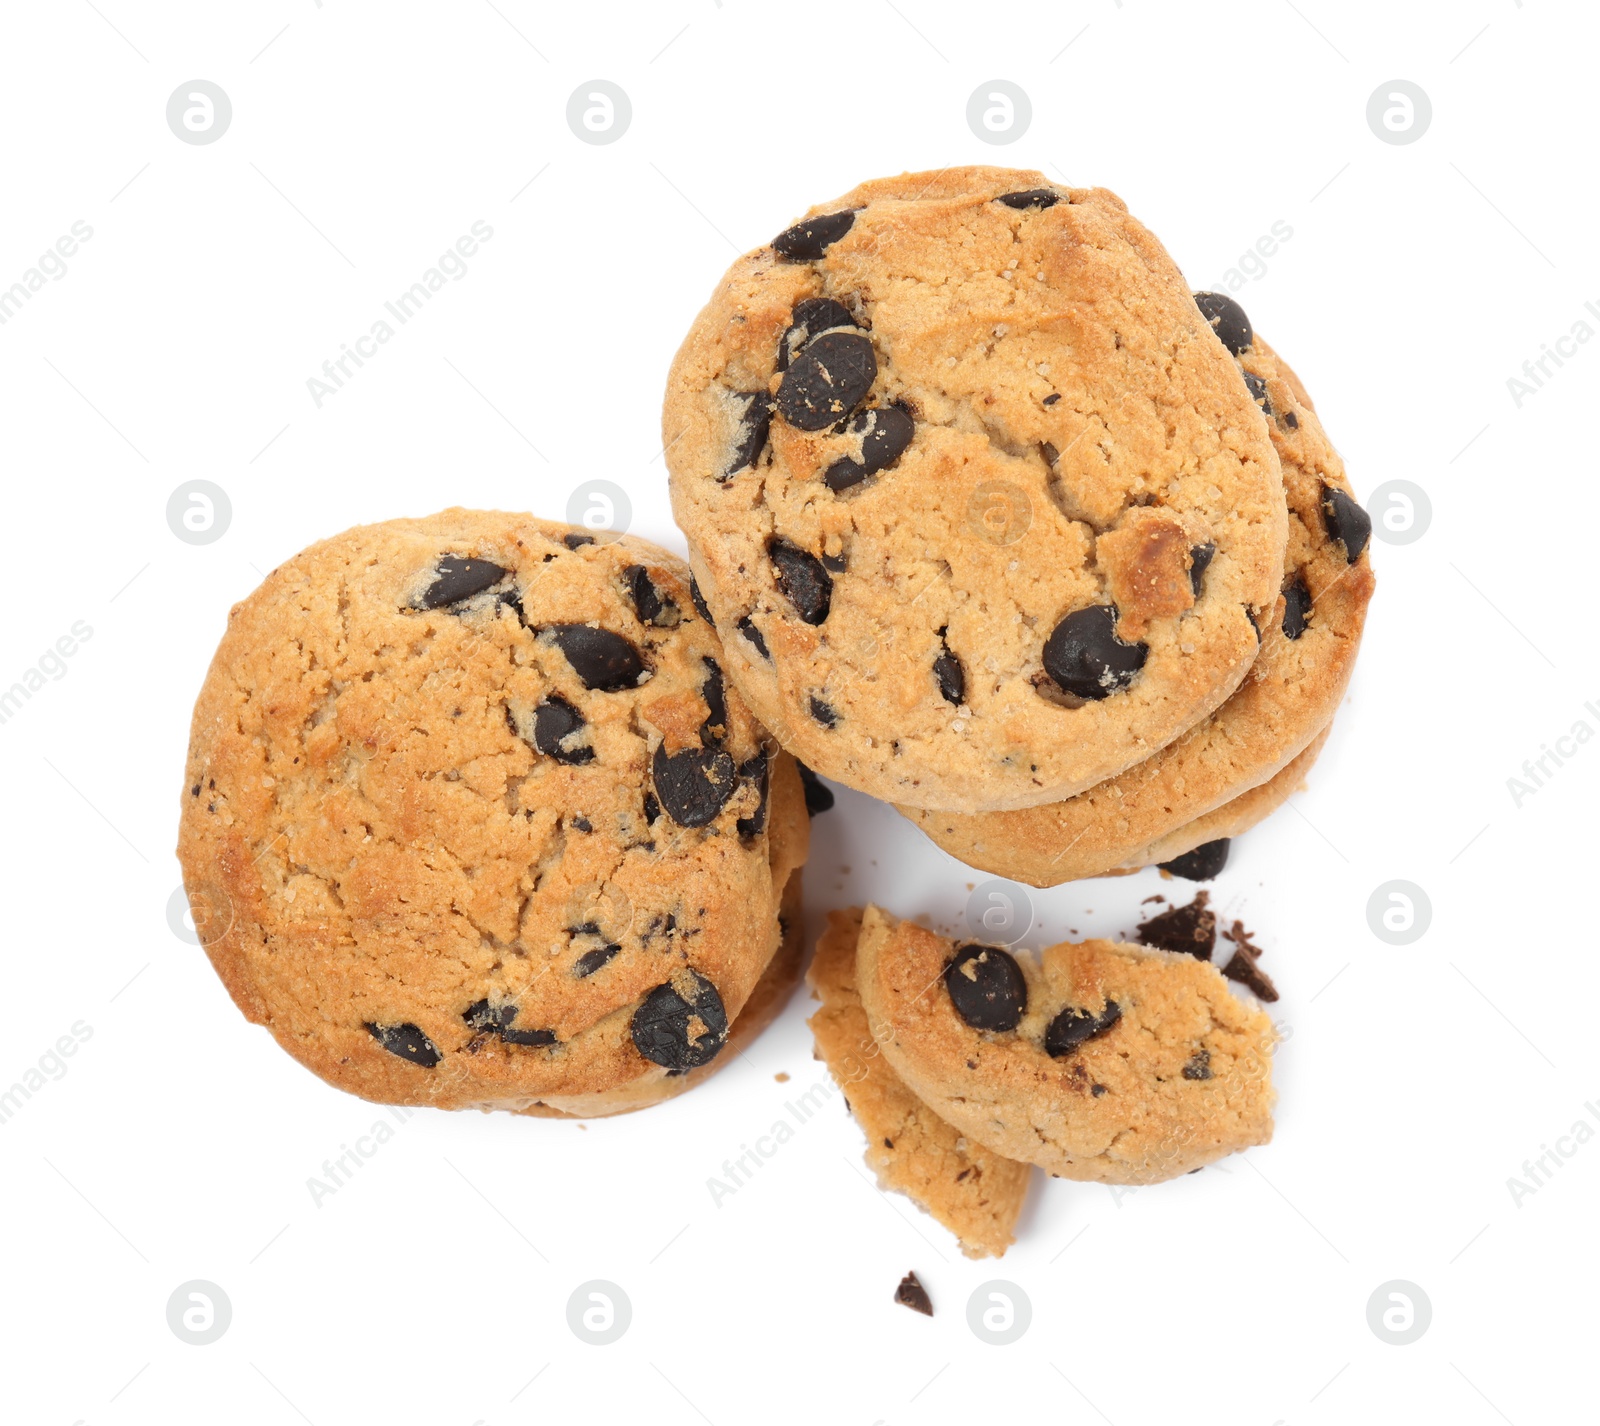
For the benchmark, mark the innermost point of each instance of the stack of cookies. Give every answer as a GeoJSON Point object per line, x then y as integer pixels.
{"type": "Point", "coordinates": [1002, 524]}
{"type": "Point", "coordinates": [989, 517]}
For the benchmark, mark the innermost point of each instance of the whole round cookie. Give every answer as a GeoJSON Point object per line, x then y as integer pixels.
{"type": "Point", "coordinates": [973, 490]}
{"type": "Point", "coordinates": [1289, 695]}
{"type": "Point", "coordinates": [472, 819]}
{"type": "Point", "coordinates": [1099, 1061]}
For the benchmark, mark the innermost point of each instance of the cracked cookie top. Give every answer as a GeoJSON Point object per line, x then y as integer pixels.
{"type": "Point", "coordinates": [973, 489]}
{"type": "Point", "coordinates": [471, 816]}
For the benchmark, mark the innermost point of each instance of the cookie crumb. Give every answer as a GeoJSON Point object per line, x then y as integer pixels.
{"type": "Point", "coordinates": [782, 1076]}
{"type": "Point", "coordinates": [914, 1295]}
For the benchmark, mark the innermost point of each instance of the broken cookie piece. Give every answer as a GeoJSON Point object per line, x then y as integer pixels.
{"type": "Point", "coordinates": [973, 1192]}
{"type": "Point", "coordinates": [1129, 1065]}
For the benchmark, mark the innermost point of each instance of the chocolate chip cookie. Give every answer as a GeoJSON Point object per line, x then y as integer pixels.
{"type": "Point", "coordinates": [1100, 1061]}
{"type": "Point", "coordinates": [976, 495]}
{"type": "Point", "coordinates": [1308, 652]}
{"type": "Point", "coordinates": [974, 1193]}
{"type": "Point", "coordinates": [485, 822]}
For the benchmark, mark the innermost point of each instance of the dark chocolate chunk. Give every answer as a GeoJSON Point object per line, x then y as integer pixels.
{"type": "Point", "coordinates": [576, 541]}
{"type": "Point", "coordinates": [1189, 930]}
{"type": "Point", "coordinates": [1258, 391]}
{"type": "Point", "coordinates": [407, 1041]}
{"type": "Point", "coordinates": [1052, 398]}
{"type": "Point", "coordinates": [949, 675]}
{"type": "Point", "coordinates": [1242, 965]}
{"type": "Point", "coordinates": [803, 580]}
{"type": "Point", "coordinates": [1085, 657]}
{"type": "Point", "coordinates": [1347, 522]}
{"type": "Point", "coordinates": [819, 796]}
{"type": "Point", "coordinates": [693, 785]}
{"type": "Point", "coordinates": [604, 661]}
{"type": "Point", "coordinates": [810, 318]}
{"type": "Point", "coordinates": [699, 602]}
{"type": "Point", "coordinates": [1296, 607]}
{"type": "Point", "coordinates": [756, 771]}
{"type": "Point", "coordinates": [912, 1293]}
{"type": "Point", "coordinates": [1290, 420]}
{"type": "Point", "coordinates": [1030, 198]}
{"type": "Point", "coordinates": [754, 423]}
{"type": "Point", "coordinates": [835, 564]}
{"type": "Point", "coordinates": [1203, 863]}
{"type": "Point", "coordinates": [1198, 1066]}
{"type": "Point", "coordinates": [1073, 1027]}
{"type": "Point", "coordinates": [583, 824]}
{"type": "Point", "coordinates": [662, 1026]}
{"type": "Point", "coordinates": [527, 1037]}
{"type": "Point", "coordinates": [591, 961]}
{"type": "Point", "coordinates": [747, 627]}
{"type": "Point", "coordinates": [986, 987]}
{"type": "Point", "coordinates": [652, 606]}
{"type": "Point", "coordinates": [1200, 557]}
{"type": "Point", "coordinates": [555, 722]}
{"type": "Point", "coordinates": [824, 712]}
{"type": "Point", "coordinates": [481, 1015]}
{"type": "Point", "coordinates": [457, 577]}
{"type": "Point", "coordinates": [715, 728]}
{"type": "Point", "coordinates": [885, 433]}
{"type": "Point", "coordinates": [827, 381]}
{"type": "Point", "coordinates": [652, 808]}
{"type": "Point", "coordinates": [1227, 319]}
{"type": "Point", "coordinates": [808, 240]}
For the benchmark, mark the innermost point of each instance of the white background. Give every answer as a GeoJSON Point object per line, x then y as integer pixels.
{"type": "Point", "coordinates": [1415, 1080]}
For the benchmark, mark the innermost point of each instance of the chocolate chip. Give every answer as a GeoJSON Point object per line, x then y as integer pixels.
{"type": "Point", "coordinates": [1187, 930]}
{"type": "Point", "coordinates": [652, 808]}
{"type": "Point", "coordinates": [1198, 1066]}
{"type": "Point", "coordinates": [651, 605]}
{"type": "Point", "coordinates": [576, 541]}
{"type": "Point", "coordinates": [481, 1015]}
{"type": "Point", "coordinates": [1296, 607]}
{"type": "Point", "coordinates": [457, 577]}
{"type": "Point", "coordinates": [827, 381]}
{"type": "Point", "coordinates": [885, 433]}
{"type": "Point", "coordinates": [819, 796]}
{"type": "Point", "coordinates": [987, 988]}
{"type": "Point", "coordinates": [715, 728]}
{"type": "Point", "coordinates": [1258, 391]}
{"type": "Point", "coordinates": [583, 824]}
{"type": "Point", "coordinates": [803, 580]}
{"type": "Point", "coordinates": [1085, 657]}
{"type": "Point", "coordinates": [555, 721]}
{"type": "Point", "coordinates": [661, 1026]}
{"type": "Point", "coordinates": [807, 240]}
{"type": "Point", "coordinates": [1073, 1028]}
{"type": "Point", "coordinates": [1242, 965]}
{"type": "Point", "coordinates": [1347, 522]}
{"type": "Point", "coordinates": [746, 626]}
{"type": "Point", "coordinates": [605, 661]}
{"type": "Point", "coordinates": [1290, 420]}
{"type": "Point", "coordinates": [1052, 398]}
{"type": "Point", "coordinates": [949, 675]}
{"type": "Point", "coordinates": [693, 785]}
{"type": "Point", "coordinates": [754, 423]}
{"type": "Point", "coordinates": [407, 1041]}
{"type": "Point", "coordinates": [699, 602]}
{"type": "Point", "coordinates": [1097, 1090]}
{"type": "Point", "coordinates": [825, 713]}
{"type": "Point", "coordinates": [591, 961]}
{"type": "Point", "coordinates": [912, 1293]}
{"type": "Point", "coordinates": [1030, 198]}
{"type": "Point", "coordinates": [527, 1037]}
{"type": "Point", "coordinates": [835, 564]}
{"type": "Point", "coordinates": [1227, 319]}
{"type": "Point", "coordinates": [809, 319]}
{"type": "Point", "coordinates": [1200, 557]}
{"type": "Point", "coordinates": [1203, 863]}
{"type": "Point", "coordinates": [756, 771]}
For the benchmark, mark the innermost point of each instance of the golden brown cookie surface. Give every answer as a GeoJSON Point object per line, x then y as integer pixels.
{"type": "Point", "coordinates": [977, 498]}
